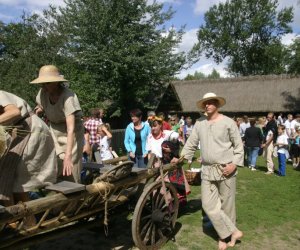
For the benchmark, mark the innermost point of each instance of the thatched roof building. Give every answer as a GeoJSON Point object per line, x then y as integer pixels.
{"type": "Point", "coordinates": [257, 94]}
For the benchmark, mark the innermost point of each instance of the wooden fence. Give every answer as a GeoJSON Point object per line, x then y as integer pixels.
{"type": "Point", "coordinates": [117, 141]}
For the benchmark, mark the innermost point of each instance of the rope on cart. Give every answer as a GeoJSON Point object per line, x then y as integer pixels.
{"type": "Point", "coordinates": [105, 198]}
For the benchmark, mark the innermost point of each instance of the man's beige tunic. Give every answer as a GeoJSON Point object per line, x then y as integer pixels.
{"type": "Point", "coordinates": [220, 144]}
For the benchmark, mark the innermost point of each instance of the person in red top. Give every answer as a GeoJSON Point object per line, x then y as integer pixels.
{"type": "Point", "coordinates": [165, 125]}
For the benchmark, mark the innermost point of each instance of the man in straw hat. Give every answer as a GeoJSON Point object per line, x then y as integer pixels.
{"type": "Point", "coordinates": [62, 108]}
{"type": "Point", "coordinates": [221, 151]}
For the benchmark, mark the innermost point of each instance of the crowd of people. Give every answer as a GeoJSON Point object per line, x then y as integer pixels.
{"type": "Point", "coordinates": [271, 137]}
{"type": "Point", "coordinates": [38, 154]}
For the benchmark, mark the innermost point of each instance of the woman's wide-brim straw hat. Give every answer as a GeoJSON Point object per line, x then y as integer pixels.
{"type": "Point", "coordinates": [211, 96]}
{"type": "Point", "coordinates": [48, 74]}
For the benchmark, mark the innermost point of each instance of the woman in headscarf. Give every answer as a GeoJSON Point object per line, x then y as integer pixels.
{"type": "Point", "coordinates": [63, 111]}
{"type": "Point", "coordinates": [29, 162]}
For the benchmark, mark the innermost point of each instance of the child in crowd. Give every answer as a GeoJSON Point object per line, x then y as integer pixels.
{"type": "Point", "coordinates": [103, 132]}
{"type": "Point", "coordinates": [282, 149]}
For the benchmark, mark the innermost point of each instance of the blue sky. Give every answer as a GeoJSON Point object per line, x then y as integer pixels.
{"type": "Point", "coordinates": [188, 12]}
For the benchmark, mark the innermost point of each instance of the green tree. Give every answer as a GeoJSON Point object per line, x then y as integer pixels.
{"type": "Point", "coordinates": [197, 75]}
{"type": "Point", "coordinates": [247, 33]}
{"type": "Point", "coordinates": [24, 47]}
{"type": "Point", "coordinates": [214, 74]}
{"type": "Point", "coordinates": [116, 53]}
{"type": "Point", "coordinates": [293, 57]}
{"type": "Point", "coordinates": [122, 54]}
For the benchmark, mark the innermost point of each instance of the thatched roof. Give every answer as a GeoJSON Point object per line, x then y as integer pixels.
{"type": "Point", "coordinates": [245, 94]}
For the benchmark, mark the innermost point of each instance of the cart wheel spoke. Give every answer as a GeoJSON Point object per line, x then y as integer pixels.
{"type": "Point", "coordinates": [153, 235]}
{"type": "Point", "coordinates": [145, 228]}
{"type": "Point", "coordinates": [160, 233]}
{"type": "Point", "coordinates": [147, 236]}
{"type": "Point", "coordinates": [146, 217]}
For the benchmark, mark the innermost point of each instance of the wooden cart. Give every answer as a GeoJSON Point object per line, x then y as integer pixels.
{"type": "Point", "coordinates": [113, 183]}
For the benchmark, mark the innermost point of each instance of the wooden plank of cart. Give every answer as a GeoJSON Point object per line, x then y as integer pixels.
{"type": "Point", "coordinates": [113, 183]}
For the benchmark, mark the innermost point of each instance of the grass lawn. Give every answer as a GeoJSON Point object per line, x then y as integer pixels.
{"type": "Point", "coordinates": [268, 212]}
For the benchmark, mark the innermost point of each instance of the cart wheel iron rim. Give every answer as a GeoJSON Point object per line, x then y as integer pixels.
{"type": "Point", "coordinates": [153, 219]}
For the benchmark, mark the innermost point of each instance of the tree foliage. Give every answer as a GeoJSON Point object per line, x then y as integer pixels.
{"type": "Point", "coordinates": [22, 51]}
{"type": "Point", "coordinates": [199, 75]}
{"type": "Point", "coordinates": [116, 53]}
{"type": "Point", "coordinates": [293, 57]}
{"type": "Point", "coordinates": [247, 33]}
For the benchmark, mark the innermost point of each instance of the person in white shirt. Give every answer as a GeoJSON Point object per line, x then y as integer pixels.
{"type": "Point", "coordinates": [182, 121]}
{"type": "Point", "coordinates": [105, 138]}
{"type": "Point", "coordinates": [297, 122]}
{"type": "Point", "coordinates": [290, 126]}
{"type": "Point", "coordinates": [158, 136]}
{"type": "Point", "coordinates": [282, 150]}
{"type": "Point", "coordinates": [279, 119]}
{"type": "Point", "coordinates": [244, 125]}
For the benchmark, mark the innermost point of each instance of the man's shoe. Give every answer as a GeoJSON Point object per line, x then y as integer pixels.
{"type": "Point", "coordinates": [253, 169]}
{"type": "Point", "coordinates": [269, 172]}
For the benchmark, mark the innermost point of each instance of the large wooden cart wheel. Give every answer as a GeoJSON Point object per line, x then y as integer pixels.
{"type": "Point", "coordinates": [155, 216]}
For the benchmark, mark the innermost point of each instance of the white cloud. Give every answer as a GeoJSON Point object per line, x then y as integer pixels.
{"type": "Point", "coordinates": [149, 2]}
{"type": "Point", "coordinates": [201, 6]}
{"type": "Point", "coordinates": [169, 1]}
{"type": "Point", "coordinates": [288, 38]}
{"type": "Point", "coordinates": [44, 3]}
{"type": "Point", "coordinates": [188, 40]}
{"type": "Point", "coordinates": [31, 5]}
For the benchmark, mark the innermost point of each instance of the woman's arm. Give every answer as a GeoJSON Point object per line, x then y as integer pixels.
{"type": "Point", "coordinates": [68, 164]}
{"type": "Point", "coordinates": [10, 114]}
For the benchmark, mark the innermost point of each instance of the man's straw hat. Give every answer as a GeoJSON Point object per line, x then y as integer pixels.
{"type": "Point", "coordinates": [49, 73]}
{"type": "Point", "coordinates": [211, 96]}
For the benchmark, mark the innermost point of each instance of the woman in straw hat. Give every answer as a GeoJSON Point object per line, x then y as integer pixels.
{"type": "Point", "coordinates": [30, 161]}
{"type": "Point", "coordinates": [62, 108]}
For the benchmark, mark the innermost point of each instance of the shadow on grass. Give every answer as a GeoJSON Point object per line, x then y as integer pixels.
{"type": "Point", "coordinates": [176, 229]}
{"type": "Point", "coordinates": [89, 234]}
{"type": "Point", "coordinates": [262, 168]}
{"type": "Point", "coordinates": [191, 207]}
